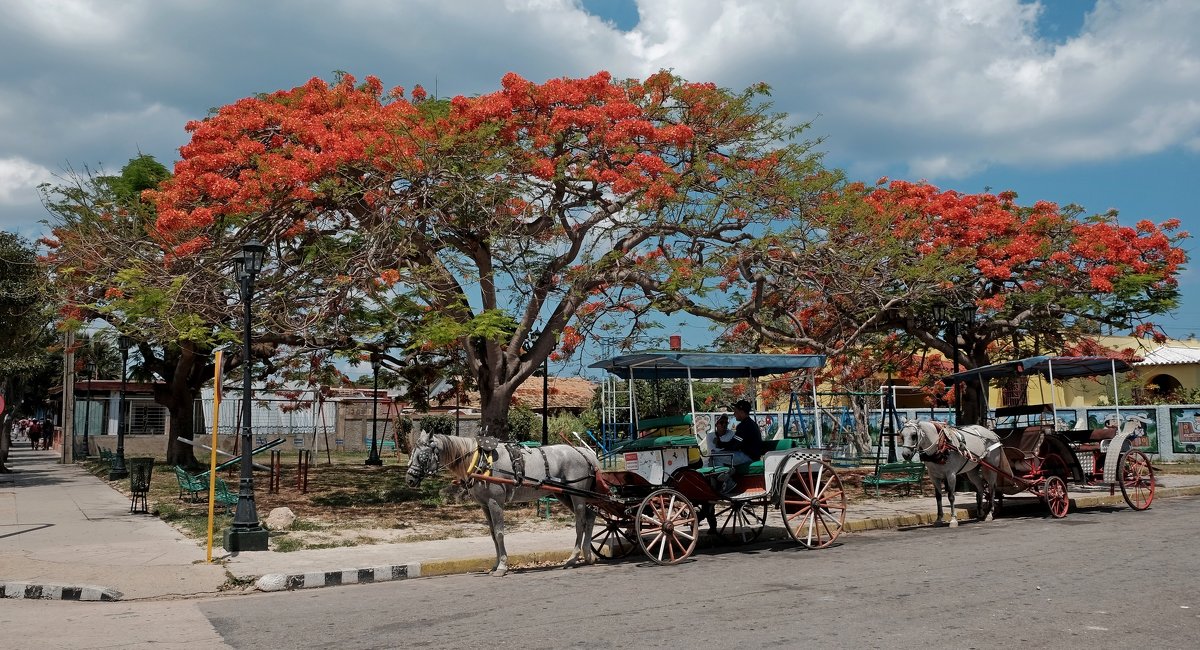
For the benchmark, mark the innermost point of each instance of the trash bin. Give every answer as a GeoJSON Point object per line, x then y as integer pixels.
{"type": "Point", "coordinates": [140, 470]}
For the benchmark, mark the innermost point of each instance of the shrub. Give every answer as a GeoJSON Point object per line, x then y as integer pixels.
{"type": "Point", "coordinates": [437, 424]}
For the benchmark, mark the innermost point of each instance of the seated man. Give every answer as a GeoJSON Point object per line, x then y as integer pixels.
{"type": "Point", "coordinates": [744, 442]}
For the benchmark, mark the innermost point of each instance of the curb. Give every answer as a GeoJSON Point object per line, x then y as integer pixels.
{"type": "Point", "coordinates": [34, 591]}
{"type": "Point", "coordinates": [312, 580]}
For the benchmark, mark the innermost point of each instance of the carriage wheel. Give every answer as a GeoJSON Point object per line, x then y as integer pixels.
{"type": "Point", "coordinates": [611, 537]}
{"type": "Point", "coordinates": [813, 504]}
{"type": "Point", "coordinates": [1137, 480]}
{"type": "Point", "coordinates": [741, 522]}
{"type": "Point", "coordinates": [1055, 493]}
{"type": "Point", "coordinates": [667, 528]}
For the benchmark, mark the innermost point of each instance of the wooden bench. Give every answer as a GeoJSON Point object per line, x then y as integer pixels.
{"type": "Point", "coordinates": [906, 474]}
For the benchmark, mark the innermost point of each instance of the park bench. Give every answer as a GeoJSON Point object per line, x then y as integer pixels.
{"type": "Point", "coordinates": [906, 474]}
{"type": "Point", "coordinates": [190, 485]}
{"type": "Point", "coordinates": [223, 496]}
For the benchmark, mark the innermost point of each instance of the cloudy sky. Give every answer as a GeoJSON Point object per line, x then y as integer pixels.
{"type": "Point", "coordinates": [1095, 102]}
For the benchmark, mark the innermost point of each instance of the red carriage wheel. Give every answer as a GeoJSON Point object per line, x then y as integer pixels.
{"type": "Point", "coordinates": [1136, 476]}
{"type": "Point", "coordinates": [611, 536]}
{"type": "Point", "coordinates": [666, 527]}
{"type": "Point", "coordinates": [813, 504]}
{"type": "Point", "coordinates": [1055, 493]}
{"type": "Point", "coordinates": [741, 522]}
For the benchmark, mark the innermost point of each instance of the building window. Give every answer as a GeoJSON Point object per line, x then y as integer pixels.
{"type": "Point", "coordinates": [147, 418]}
{"type": "Point", "coordinates": [1015, 391]}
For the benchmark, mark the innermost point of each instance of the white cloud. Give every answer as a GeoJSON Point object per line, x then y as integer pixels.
{"type": "Point", "coordinates": [943, 87]}
{"type": "Point", "coordinates": [19, 179]}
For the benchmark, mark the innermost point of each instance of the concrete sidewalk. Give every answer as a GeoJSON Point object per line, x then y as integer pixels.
{"type": "Point", "coordinates": [65, 534]}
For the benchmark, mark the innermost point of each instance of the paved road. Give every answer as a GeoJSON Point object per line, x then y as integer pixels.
{"type": "Point", "coordinates": [1107, 578]}
{"type": "Point", "coordinates": [1100, 578]}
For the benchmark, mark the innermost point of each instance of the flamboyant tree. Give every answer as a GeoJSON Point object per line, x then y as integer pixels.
{"type": "Point", "coordinates": [508, 223]}
{"type": "Point", "coordinates": [875, 261]}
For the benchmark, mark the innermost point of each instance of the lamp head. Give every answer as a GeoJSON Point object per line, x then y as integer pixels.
{"type": "Point", "coordinates": [89, 368]}
{"type": "Point", "coordinates": [375, 362]}
{"type": "Point", "coordinates": [939, 312]}
{"type": "Point", "coordinates": [253, 254]}
{"type": "Point", "coordinates": [124, 343]}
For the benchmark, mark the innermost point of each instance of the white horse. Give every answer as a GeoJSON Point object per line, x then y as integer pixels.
{"type": "Point", "coordinates": [949, 451]}
{"type": "Point", "coordinates": [560, 465]}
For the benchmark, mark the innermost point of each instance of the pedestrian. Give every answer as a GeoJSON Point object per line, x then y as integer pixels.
{"type": "Point", "coordinates": [47, 433]}
{"type": "Point", "coordinates": [34, 432]}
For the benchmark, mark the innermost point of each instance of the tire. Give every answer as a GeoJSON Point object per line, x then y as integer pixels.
{"type": "Point", "coordinates": [666, 527]}
{"type": "Point", "coordinates": [813, 504]}
{"type": "Point", "coordinates": [1136, 476]}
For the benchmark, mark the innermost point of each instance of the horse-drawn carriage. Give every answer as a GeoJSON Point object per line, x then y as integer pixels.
{"type": "Point", "coordinates": [657, 487]}
{"type": "Point", "coordinates": [1042, 453]}
{"type": "Point", "coordinates": [649, 492]}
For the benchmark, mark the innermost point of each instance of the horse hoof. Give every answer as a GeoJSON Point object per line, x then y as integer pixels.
{"type": "Point", "coordinates": [499, 573]}
{"type": "Point", "coordinates": [954, 523]}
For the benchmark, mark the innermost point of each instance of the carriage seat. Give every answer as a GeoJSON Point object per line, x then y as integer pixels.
{"type": "Point", "coordinates": [756, 468]}
{"type": "Point", "coordinates": [1107, 433]}
{"type": "Point", "coordinates": [1021, 454]}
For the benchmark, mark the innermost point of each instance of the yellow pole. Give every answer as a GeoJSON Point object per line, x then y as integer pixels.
{"type": "Point", "coordinates": [212, 456]}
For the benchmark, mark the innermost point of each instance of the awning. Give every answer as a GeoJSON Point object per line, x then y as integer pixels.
{"type": "Point", "coordinates": [1059, 367]}
{"type": "Point", "coordinates": [702, 365]}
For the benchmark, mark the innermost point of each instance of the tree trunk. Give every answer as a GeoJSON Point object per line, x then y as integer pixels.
{"type": "Point", "coordinates": [493, 412]}
{"type": "Point", "coordinates": [182, 413]}
{"type": "Point", "coordinates": [973, 411]}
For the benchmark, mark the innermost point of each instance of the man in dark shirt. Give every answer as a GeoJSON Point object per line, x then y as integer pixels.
{"type": "Point", "coordinates": [746, 441]}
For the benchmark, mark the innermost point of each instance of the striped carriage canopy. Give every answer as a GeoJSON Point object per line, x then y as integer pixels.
{"type": "Point", "coordinates": [1047, 366]}
{"type": "Point", "coordinates": [703, 365]}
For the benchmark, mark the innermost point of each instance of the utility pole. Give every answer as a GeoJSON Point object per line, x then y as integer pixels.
{"type": "Point", "coordinates": [67, 453]}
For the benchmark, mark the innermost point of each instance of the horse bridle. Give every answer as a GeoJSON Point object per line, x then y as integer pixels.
{"type": "Point", "coordinates": [421, 455]}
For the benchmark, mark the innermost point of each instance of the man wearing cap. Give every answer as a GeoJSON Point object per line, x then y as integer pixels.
{"type": "Point", "coordinates": [745, 442]}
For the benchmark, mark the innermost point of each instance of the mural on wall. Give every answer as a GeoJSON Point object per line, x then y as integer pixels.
{"type": "Point", "coordinates": [1141, 423]}
{"type": "Point", "coordinates": [1185, 430]}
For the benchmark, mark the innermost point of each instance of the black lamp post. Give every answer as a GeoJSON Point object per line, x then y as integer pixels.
{"type": "Point", "coordinates": [533, 336]}
{"type": "Point", "coordinates": [89, 369]}
{"type": "Point", "coordinates": [545, 400]}
{"type": "Point", "coordinates": [373, 458]}
{"type": "Point", "coordinates": [953, 318]}
{"type": "Point", "coordinates": [118, 470]}
{"type": "Point", "coordinates": [247, 534]}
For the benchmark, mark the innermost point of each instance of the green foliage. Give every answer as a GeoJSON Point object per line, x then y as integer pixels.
{"type": "Point", "coordinates": [24, 309]}
{"type": "Point", "coordinates": [437, 424]}
{"type": "Point", "coordinates": [524, 424]}
{"type": "Point", "coordinates": [562, 424]}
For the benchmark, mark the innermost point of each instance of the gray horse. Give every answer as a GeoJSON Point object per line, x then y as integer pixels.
{"type": "Point", "coordinates": [561, 465]}
{"type": "Point", "coordinates": [949, 451]}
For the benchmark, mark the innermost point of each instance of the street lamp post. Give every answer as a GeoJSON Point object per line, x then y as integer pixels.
{"type": "Point", "coordinates": [952, 318]}
{"type": "Point", "coordinates": [246, 533]}
{"type": "Point", "coordinates": [373, 458]}
{"type": "Point", "coordinates": [118, 470]}
{"type": "Point", "coordinates": [89, 369]}
{"type": "Point", "coordinates": [545, 401]}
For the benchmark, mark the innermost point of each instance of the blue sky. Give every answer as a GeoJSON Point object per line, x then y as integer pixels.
{"type": "Point", "coordinates": [1088, 102]}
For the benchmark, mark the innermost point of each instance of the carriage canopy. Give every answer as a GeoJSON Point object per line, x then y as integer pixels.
{"type": "Point", "coordinates": [1047, 366]}
{"type": "Point", "coordinates": [705, 365]}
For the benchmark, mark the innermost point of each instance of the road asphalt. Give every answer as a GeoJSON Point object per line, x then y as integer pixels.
{"type": "Point", "coordinates": [66, 535]}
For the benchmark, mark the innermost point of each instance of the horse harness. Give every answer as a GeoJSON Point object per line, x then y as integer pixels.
{"type": "Point", "coordinates": [486, 454]}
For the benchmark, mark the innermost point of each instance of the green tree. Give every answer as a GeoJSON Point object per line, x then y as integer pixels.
{"type": "Point", "coordinates": [26, 335]}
